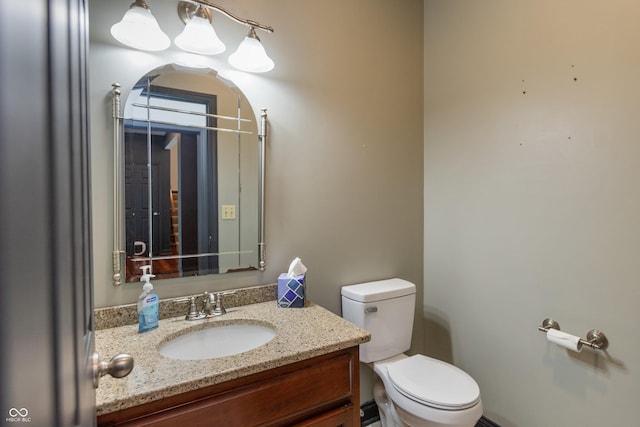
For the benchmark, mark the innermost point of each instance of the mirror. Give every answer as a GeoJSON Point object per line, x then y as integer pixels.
{"type": "Point", "coordinates": [189, 161]}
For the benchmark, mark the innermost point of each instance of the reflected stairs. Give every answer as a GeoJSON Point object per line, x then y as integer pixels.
{"type": "Point", "coordinates": [174, 222]}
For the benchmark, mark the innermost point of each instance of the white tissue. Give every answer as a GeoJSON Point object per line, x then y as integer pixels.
{"type": "Point", "coordinates": [296, 268]}
{"type": "Point", "coordinates": [565, 340]}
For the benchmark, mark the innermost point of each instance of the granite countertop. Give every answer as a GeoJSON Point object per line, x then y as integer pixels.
{"type": "Point", "coordinates": [302, 333]}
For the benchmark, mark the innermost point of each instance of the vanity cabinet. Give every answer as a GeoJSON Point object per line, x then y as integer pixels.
{"type": "Point", "coordinates": [323, 391]}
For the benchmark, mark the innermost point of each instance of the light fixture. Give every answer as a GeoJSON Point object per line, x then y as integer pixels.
{"type": "Point", "coordinates": [251, 55]}
{"type": "Point", "coordinates": [198, 35]}
{"type": "Point", "coordinates": [139, 29]}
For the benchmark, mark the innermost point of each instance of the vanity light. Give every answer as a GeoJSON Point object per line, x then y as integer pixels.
{"type": "Point", "coordinates": [251, 55]}
{"type": "Point", "coordinates": [139, 29]}
{"type": "Point", "coordinates": [198, 35]}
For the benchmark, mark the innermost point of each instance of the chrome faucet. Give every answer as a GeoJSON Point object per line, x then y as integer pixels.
{"type": "Point", "coordinates": [213, 305]}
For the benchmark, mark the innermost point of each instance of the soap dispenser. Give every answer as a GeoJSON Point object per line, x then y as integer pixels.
{"type": "Point", "coordinates": [147, 303]}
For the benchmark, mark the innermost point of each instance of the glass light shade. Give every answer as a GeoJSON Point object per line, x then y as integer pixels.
{"type": "Point", "coordinates": [140, 30]}
{"type": "Point", "coordinates": [199, 36]}
{"type": "Point", "coordinates": [251, 56]}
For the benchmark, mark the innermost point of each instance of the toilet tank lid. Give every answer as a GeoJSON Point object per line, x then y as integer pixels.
{"type": "Point", "coordinates": [378, 290]}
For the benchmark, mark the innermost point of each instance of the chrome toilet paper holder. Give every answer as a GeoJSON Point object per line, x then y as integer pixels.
{"type": "Point", "coordinates": [595, 339]}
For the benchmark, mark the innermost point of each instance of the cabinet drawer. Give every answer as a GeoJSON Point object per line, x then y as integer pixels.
{"type": "Point", "coordinates": [341, 417]}
{"type": "Point", "coordinates": [307, 391]}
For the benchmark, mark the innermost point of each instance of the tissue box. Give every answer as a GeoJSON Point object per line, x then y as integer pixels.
{"type": "Point", "coordinates": [290, 291]}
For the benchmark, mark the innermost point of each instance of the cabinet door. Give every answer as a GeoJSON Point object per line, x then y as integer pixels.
{"type": "Point", "coordinates": [314, 387]}
{"type": "Point", "coordinates": [341, 417]}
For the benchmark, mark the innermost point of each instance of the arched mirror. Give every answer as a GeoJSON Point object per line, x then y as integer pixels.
{"type": "Point", "coordinates": [188, 176]}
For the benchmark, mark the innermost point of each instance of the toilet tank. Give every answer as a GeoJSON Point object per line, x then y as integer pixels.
{"type": "Point", "coordinates": [385, 309]}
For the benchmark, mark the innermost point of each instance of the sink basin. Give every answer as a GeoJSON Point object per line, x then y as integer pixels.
{"type": "Point", "coordinates": [217, 341]}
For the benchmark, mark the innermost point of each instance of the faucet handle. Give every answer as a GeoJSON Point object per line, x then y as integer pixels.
{"type": "Point", "coordinates": [193, 313]}
{"type": "Point", "coordinates": [213, 303]}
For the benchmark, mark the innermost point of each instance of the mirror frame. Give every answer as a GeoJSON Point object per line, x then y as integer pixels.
{"type": "Point", "coordinates": [119, 253]}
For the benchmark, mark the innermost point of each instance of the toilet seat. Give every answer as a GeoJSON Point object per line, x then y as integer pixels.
{"type": "Point", "coordinates": [433, 383]}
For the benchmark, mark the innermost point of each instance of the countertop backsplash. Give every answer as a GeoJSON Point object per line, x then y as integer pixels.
{"type": "Point", "coordinates": [121, 315]}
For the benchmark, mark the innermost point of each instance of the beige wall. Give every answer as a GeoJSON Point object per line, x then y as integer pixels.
{"type": "Point", "coordinates": [532, 203]}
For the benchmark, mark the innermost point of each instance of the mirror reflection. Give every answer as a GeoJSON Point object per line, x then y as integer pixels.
{"type": "Point", "coordinates": [191, 154]}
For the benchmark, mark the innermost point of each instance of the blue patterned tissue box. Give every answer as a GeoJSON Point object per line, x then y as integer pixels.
{"type": "Point", "coordinates": [290, 291]}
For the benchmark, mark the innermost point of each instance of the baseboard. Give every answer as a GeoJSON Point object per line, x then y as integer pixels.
{"type": "Point", "coordinates": [369, 413]}
{"type": "Point", "coordinates": [486, 422]}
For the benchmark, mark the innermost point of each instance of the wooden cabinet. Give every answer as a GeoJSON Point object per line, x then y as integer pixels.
{"type": "Point", "coordinates": [338, 417]}
{"type": "Point", "coordinates": [320, 392]}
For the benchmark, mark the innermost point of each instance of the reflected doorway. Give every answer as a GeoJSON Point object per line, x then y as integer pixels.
{"type": "Point", "coordinates": [179, 182]}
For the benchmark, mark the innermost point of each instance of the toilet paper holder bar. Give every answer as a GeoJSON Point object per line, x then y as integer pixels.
{"type": "Point", "coordinates": [596, 339]}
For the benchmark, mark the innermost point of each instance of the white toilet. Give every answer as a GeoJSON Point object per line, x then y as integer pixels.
{"type": "Point", "coordinates": [415, 390]}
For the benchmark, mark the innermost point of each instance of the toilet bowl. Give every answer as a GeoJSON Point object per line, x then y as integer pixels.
{"type": "Point", "coordinates": [412, 390]}
{"type": "Point", "coordinates": [421, 391]}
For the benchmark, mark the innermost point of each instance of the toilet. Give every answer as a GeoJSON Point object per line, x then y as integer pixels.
{"type": "Point", "coordinates": [412, 390]}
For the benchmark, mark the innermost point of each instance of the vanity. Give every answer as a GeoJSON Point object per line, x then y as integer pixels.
{"type": "Point", "coordinates": [307, 375]}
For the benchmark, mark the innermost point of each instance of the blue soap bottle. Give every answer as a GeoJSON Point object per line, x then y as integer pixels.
{"type": "Point", "coordinates": [147, 303]}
